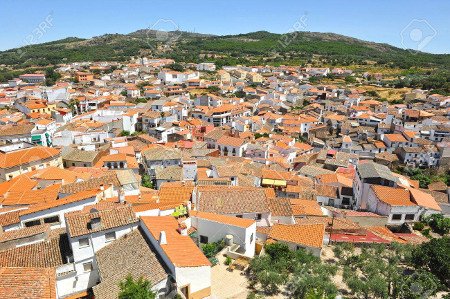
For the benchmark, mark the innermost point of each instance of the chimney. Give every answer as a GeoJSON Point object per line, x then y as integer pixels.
{"type": "Point", "coordinates": [102, 187]}
{"type": "Point", "coordinates": [121, 196]}
{"type": "Point", "coordinates": [162, 238]}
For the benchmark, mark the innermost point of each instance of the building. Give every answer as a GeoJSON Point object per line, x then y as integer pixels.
{"type": "Point", "coordinates": [84, 77]}
{"type": "Point", "coordinates": [89, 230]}
{"type": "Point", "coordinates": [185, 261]}
{"type": "Point", "coordinates": [20, 158]}
{"type": "Point", "coordinates": [32, 78]}
{"type": "Point", "coordinates": [213, 227]}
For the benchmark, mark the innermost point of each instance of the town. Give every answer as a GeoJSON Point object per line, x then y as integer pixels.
{"type": "Point", "coordinates": [201, 180]}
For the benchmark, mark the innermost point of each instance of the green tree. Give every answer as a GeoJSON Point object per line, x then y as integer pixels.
{"type": "Point", "coordinates": [434, 256]}
{"type": "Point", "coordinates": [176, 67]}
{"type": "Point", "coordinates": [146, 181]}
{"type": "Point", "coordinates": [239, 94]}
{"type": "Point", "coordinates": [135, 289]}
{"type": "Point", "coordinates": [213, 89]}
{"type": "Point", "coordinates": [420, 284]}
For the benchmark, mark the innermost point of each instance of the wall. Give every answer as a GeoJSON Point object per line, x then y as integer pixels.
{"type": "Point", "coordinates": [216, 231]}
{"type": "Point", "coordinates": [58, 211]}
{"type": "Point", "coordinates": [84, 280]}
{"type": "Point", "coordinates": [198, 278]}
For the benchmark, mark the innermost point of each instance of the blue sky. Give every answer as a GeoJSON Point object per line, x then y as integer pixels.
{"type": "Point", "coordinates": [423, 24]}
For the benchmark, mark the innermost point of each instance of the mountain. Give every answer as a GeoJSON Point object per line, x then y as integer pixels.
{"type": "Point", "coordinates": [260, 47]}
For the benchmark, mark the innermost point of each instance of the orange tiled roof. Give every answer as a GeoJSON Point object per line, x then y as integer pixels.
{"type": "Point", "coordinates": [310, 235]}
{"type": "Point", "coordinates": [424, 199]}
{"type": "Point", "coordinates": [230, 220]}
{"type": "Point", "coordinates": [62, 201]}
{"type": "Point", "coordinates": [392, 196]}
{"type": "Point", "coordinates": [180, 250]}
{"type": "Point", "coordinates": [29, 283]}
{"type": "Point", "coordinates": [25, 156]}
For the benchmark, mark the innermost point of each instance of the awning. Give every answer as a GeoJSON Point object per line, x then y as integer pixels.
{"type": "Point", "coordinates": [273, 182]}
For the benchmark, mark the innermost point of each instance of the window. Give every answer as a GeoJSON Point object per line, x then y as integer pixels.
{"type": "Point", "coordinates": [53, 219]}
{"type": "Point", "coordinates": [251, 238]}
{"type": "Point", "coordinates": [239, 216]}
{"type": "Point", "coordinates": [110, 236]}
{"type": "Point", "coordinates": [258, 216]}
{"type": "Point", "coordinates": [346, 201]}
{"type": "Point", "coordinates": [203, 239]}
{"type": "Point", "coordinates": [397, 217]}
{"type": "Point", "coordinates": [83, 242]}
{"type": "Point", "coordinates": [32, 223]}
{"type": "Point", "coordinates": [87, 267]}
{"type": "Point", "coordinates": [409, 217]}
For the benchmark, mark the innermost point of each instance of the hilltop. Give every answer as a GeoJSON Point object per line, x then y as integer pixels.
{"type": "Point", "coordinates": [260, 47]}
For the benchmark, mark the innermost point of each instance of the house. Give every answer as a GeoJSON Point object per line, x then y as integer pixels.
{"type": "Point", "coordinates": [32, 78]}
{"type": "Point", "coordinates": [242, 202]}
{"type": "Point", "coordinates": [392, 202]}
{"type": "Point", "coordinates": [231, 146]}
{"type": "Point", "coordinates": [89, 230]}
{"type": "Point", "coordinates": [53, 211]}
{"type": "Point", "coordinates": [367, 174]}
{"type": "Point", "coordinates": [74, 157]}
{"type": "Point", "coordinates": [206, 66]}
{"type": "Point", "coordinates": [186, 262]}
{"type": "Point", "coordinates": [20, 158]}
{"type": "Point", "coordinates": [213, 227]}
{"type": "Point", "coordinates": [418, 156]}
{"type": "Point", "coordinates": [83, 77]}
{"type": "Point", "coordinates": [130, 255]}
{"type": "Point", "coordinates": [394, 141]}
{"type": "Point", "coordinates": [160, 156]}
{"type": "Point", "coordinates": [174, 77]}
{"type": "Point", "coordinates": [297, 236]}
{"type": "Point", "coordinates": [15, 133]}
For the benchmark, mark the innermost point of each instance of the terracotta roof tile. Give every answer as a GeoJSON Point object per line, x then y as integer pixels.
{"type": "Point", "coordinates": [180, 250]}
{"type": "Point", "coordinates": [392, 196]}
{"type": "Point", "coordinates": [229, 220]}
{"type": "Point", "coordinates": [310, 235]}
{"type": "Point", "coordinates": [80, 222]}
{"type": "Point", "coordinates": [28, 283]}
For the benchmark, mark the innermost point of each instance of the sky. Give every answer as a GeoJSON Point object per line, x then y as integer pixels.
{"type": "Point", "coordinates": [419, 25]}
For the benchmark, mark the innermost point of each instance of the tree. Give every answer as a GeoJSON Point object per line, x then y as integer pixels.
{"type": "Point", "coordinates": [239, 94]}
{"type": "Point", "coordinates": [304, 275]}
{"type": "Point", "coordinates": [350, 79]}
{"type": "Point", "coordinates": [146, 181]}
{"type": "Point", "coordinates": [434, 256]}
{"type": "Point", "coordinates": [438, 223]}
{"type": "Point", "coordinates": [213, 89]}
{"type": "Point", "coordinates": [51, 76]}
{"type": "Point", "coordinates": [135, 289]}
{"type": "Point", "coordinates": [420, 284]}
{"type": "Point", "coordinates": [176, 67]}
{"type": "Point", "coordinates": [125, 133]}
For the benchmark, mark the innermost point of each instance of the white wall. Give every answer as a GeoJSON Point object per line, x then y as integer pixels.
{"type": "Point", "coordinates": [216, 231]}
{"type": "Point", "coordinates": [84, 280]}
{"type": "Point", "coordinates": [198, 278]}
{"type": "Point", "coordinates": [58, 211]}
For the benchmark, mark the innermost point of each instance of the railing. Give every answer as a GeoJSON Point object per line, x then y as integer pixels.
{"type": "Point", "coordinates": [65, 270]}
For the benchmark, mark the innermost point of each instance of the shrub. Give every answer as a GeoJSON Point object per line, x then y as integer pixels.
{"type": "Point", "coordinates": [418, 226]}
{"type": "Point", "coordinates": [228, 261]}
